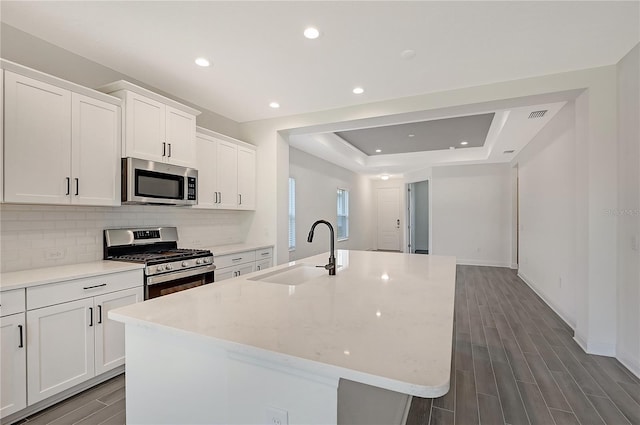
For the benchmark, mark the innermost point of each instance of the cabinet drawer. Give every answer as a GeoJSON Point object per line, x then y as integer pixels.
{"type": "Point", "coordinates": [56, 293]}
{"type": "Point", "coordinates": [234, 259]}
{"type": "Point", "coordinates": [11, 302]}
{"type": "Point", "coordinates": [264, 253]}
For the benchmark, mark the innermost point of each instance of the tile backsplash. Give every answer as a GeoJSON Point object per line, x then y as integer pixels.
{"type": "Point", "coordinates": [34, 236]}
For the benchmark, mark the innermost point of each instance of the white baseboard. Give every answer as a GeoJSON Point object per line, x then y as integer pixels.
{"type": "Point", "coordinates": [466, 262]}
{"type": "Point", "coordinates": [631, 363]}
{"type": "Point", "coordinates": [551, 305]}
{"type": "Point", "coordinates": [514, 266]}
{"type": "Point", "coordinates": [597, 348]}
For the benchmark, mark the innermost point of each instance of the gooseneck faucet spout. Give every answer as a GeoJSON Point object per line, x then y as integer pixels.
{"type": "Point", "coordinates": [332, 257]}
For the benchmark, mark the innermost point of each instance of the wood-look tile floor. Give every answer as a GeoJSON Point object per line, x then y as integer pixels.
{"type": "Point", "coordinates": [102, 404]}
{"type": "Point", "coordinates": [514, 362]}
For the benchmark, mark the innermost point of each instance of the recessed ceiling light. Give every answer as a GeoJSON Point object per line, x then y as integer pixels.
{"type": "Point", "coordinates": [202, 62]}
{"type": "Point", "coordinates": [385, 177]}
{"type": "Point", "coordinates": [311, 33]}
{"type": "Point", "coordinates": [452, 147]}
{"type": "Point", "coordinates": [408, 54]}
{"type": "Point", "coordinates": [274, 105]}
{"type": "Point", "coordinates": [378, 150]}
{"type": "Point", "coordinates": [412, 135]}
{"type": "Point", "coordinates": [358, 90]}
{"type": "Point", "coordinates": [464, 142]}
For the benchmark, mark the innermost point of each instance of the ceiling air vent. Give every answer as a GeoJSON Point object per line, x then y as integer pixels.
{"type": "Point", "coordinates": [537, 114]}
{"type": "Point", "coordinates": [509, 151]}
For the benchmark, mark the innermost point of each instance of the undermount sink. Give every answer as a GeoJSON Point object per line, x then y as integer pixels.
{"type": "Point", "coordinates": [292, 275]}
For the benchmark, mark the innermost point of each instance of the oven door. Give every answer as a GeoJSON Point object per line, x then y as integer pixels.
{"type": "Point", "coordinates": [168, 283]}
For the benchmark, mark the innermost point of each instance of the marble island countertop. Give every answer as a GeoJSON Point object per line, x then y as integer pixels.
{"type": "Point", "coordinates": [385, 319]}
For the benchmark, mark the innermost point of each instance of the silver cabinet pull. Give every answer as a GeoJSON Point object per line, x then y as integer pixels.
{"type": "Point", "coordinates": [68, 186]}
{"type": "Point", "coordinates": [219, 197]}
{"type": "Point", "coordinates": [77, 186]}
{"type": "Point", "coordinates": [216, 197]}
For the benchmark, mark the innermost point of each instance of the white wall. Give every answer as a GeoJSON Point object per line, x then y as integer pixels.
{"type": "Point", "coordinates": [316, 184]}
{"type": "Point", "coordinates": [471, 213]}
{"type": "Point", "coordinates": [546, 170]}
{"type": "Point", "coordinates": [628, 210]}
{"type": "Point", "coordinates": [29, 233]}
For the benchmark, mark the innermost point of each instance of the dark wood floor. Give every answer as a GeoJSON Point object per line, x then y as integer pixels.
{"type": "Point", "coordinates": [514, 362]}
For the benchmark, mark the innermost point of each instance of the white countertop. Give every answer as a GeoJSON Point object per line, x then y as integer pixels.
{"type": "Point", "coordinates": [385, 319]}
{"type": "Point", "coordinates": [235, 248]}
{"type": "Point", "coordinates": [33, 277]}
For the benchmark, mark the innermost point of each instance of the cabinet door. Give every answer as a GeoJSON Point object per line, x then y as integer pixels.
{"type": "Point", "coordinates": [1, 133]}
{"type": "Point", "coordinates": [246, 178]}
{"type": "Point", "coordinates": [95, 156]}
{"type": "Point", "coordinates": [245, 269]}
{"type": "Point", "coordinates": [108, 333]}
{"type": "Point", "coordinates": [145, 128]}
{"type": "Point", "coordinates": [180, 137]}
{"type": "Point", "coordinates": [37, 141]}
{"type": "Point", "coordinates": [206, 157]}
{"type": "Point", "coordinates": [13, 364]}
{"type": "Point", "coordinates": [264, 264]}
{"type": "Point", "coordinates": [224, 273]}
{"type": "Point", "coordinates": [227, 174]}
{"type": "Point", "coordinates": [61, 348]}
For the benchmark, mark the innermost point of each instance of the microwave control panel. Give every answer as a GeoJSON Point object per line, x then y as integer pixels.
{"type": "Point", "coordinates": [191, 188]}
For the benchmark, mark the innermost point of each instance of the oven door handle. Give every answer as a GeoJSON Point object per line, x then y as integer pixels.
{"type": "Point", "coordinates": [166, 277]}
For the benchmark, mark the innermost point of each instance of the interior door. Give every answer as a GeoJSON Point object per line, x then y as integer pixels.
{"type": "Point", "coordinates": [389, 219]}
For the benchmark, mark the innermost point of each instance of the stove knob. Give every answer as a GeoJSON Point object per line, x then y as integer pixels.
{"type": "Point", "coordinates": [168, 267]}
{"type": "Point", "coordinates": [160, 268]}
{"type": "Point", "coordinates": [185, 264]}
{"type": "Point", "coordinates": [199, 261]}
{"type": "Point", "coordinates": [207, 260]}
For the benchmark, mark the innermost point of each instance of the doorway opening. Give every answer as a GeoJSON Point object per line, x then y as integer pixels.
{"type": "Point", "coordinates": [418, 217]}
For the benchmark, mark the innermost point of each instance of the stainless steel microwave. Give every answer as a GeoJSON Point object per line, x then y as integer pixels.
{"type": "Point", "coordinates": [149, 182]}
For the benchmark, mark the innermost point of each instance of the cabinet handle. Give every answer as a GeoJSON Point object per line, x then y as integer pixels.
{"type": "Point", "coordinates": [240, 196]}
{"type": "Point", "coordinates": [265, 253]}
{"type": "Point", "coordinates": [236, 259]}
{"type": "Point", "coordinates": [259, 267]}
{"type": "Point", "coordinates": [99, 314]}
{"type": "Point", "coordinates": [68, 185]}
{"type": "Point", "coordinates": [90, 316]}
{"type": "Point", "coordinates": [219, 197]}
{"type": "Point", "coordinates": [94, 286]}
{"type": "Point", "coordinates": [216, 197]}
{"type": "Point", "coordinates": [21, 338]}
{"type": "Point", "coordinates": [169, 150]}
{"type": "Point", "coordinates": [164, 149]}
{"type": "Point", "coordinates": [77, 186]}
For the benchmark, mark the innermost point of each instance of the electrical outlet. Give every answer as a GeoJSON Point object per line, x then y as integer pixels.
{"type": "Point", "coordinates": [277, 416]}
{"type": "Point", "coordinates": [54, 254]}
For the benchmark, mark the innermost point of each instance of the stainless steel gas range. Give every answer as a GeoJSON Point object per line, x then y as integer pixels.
{"type": "Point", "coordinates": [168, 268]}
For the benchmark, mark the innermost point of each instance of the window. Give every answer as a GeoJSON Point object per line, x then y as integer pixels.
{"type": "Point", "coordinates": [292, 214]}
{"type": "Point", "coordinates": [343, 214]}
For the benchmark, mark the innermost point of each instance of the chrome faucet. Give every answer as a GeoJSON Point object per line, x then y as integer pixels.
{"type": "Point", "coordinates": [332, 258]}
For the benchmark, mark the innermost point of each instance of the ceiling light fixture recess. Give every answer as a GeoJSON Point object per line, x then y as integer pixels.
{"type": "Point", "coordinates": [408, 54]}
{"type": "Point", "coordinates": [384, 177]}
{"type": "Point", "coordinates": [412, 135]}
{"type": "Point", "coordinates": [202, 62]}
{"type": "Point", "coordinates": [358, 90]}
{"type": "Point", "coordinates": [464, 143]}
{"type": "Point", "coordinates": [311, 33]}
{"type": "Point", "coordinates": [274, 105]}
{"type": "Point", "coordinates": [378, 150]}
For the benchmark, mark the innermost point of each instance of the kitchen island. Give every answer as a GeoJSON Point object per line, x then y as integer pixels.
{"type": "Point", "coordinates": [294, 344]}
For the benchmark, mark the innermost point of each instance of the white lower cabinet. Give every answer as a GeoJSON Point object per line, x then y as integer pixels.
{"type": "Point", "coordinates": [72, 342]}
{"type": "Point", "coordinates": [240, 263]}
{"type": "Point", "coordinates": [13, 364]}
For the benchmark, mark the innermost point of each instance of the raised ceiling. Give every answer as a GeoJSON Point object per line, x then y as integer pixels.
{"type": "Point", "coordinates": [458, 133]}
{"type": "Point", "coordinates": [258, 53]}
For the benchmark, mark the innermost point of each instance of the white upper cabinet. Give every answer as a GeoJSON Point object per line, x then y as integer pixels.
{"type": "Point", "coordinates": [156, 128]}
{"type": "Point", "coordinates": [226, 172]}
{"type": "Point", "coordinates": [60, 147]}
{"type": "Point", "coordinates": [246, 178]}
